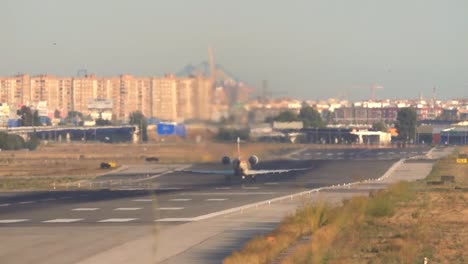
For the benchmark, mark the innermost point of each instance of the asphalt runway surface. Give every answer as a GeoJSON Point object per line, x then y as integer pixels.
{"type": "Point", "coordinates": [151, 194]}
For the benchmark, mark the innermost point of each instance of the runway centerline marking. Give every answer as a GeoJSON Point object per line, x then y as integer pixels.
{"type": "Point", "coordinates": [223, 188]}
{"type": "Point", "coordinates": [170, 208]}
{"type": "Point", "coordinates": [227, 193]}
{"type": "Point", "coordinates": [271, 183]}
{"type": "Point", "coordinates": [142, 200]}
{"type": "Point", "coordinates": [174, 220]}
{"type": "Point", "coordinates": [85, 209]}
{"type": "Point", "coordinates": [63, 220]}
{"type": "Point", "coordinates": [117, 220]}
{"type": "Point", "coordinates": [215, 199]}
{"type": "Point", "coordinates": [128, 208]}
{"type": "Point", "coordinates": [6, 204]}
{"type": "Point", "coordinates": [27, 202]}
{"type": "Point", "coordinates": [180, 200]}
{"type": "Point", "coordinates": [250, 188]}
{"type": "Point", "coordinates": [47, 200]}
{"type": "Point", "coordinates": [11, 221]}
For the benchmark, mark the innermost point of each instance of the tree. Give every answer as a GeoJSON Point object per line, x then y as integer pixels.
{"type": "Point", "coordinates": [227, 134]}
{"type": "Point", "coordinates": [74, 117]}
{"type": "Point", "coordinates": [57, 113]}
{"type": "Point", "coordinates": [103, 122]}
{"type": "Point", "coordinates": [10, 141]}
{"type": "Point", "coordinates": [379, 126]}
{"type": "Point", "coordinates": [286, 116]}
{"type": "Point", "coordinates": [28, 116]}
{"type": "Point", "coordinates": [310, 117]}
{"type": "Point", "coordinates": [138, 119]}
{"type": "Point", "coordinates": [33, 142]}
{"type": "Point", "coordinates": [406, 124]}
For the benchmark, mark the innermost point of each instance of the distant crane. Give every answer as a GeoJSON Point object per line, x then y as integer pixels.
{"type": "Point", "coordinates": [212, 65]}
{"type": "Point", "coordinates": [372, 90]}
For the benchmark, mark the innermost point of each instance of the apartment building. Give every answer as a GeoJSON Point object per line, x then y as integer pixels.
{"type": "Point", "coordinates": [185, 98]}
{"type": "Point", "coordinates": [167, 98]}
{"type": "Point", "coordinates": [203, 98]}
{"type": "Point", "coordinates": [15, 90]}
{"type": "Point", "coordinates": [164, 98]}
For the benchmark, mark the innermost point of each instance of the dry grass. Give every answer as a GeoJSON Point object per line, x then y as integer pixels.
{"type": "Point", "coordinates": [64, 164]}
{"type": "Point", "coordinates": [264, 249]}
{"type": "Point", "coordinates": [83, 159]}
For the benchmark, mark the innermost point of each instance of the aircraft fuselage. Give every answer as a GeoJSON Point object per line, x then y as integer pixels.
{"type": "Point", "coordinates": [241, 168]}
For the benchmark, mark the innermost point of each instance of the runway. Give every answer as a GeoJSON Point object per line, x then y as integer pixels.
{"type": "Point", "coordinates": [142, 198]}
{"type": "Point", "coordinates": [176, 195]}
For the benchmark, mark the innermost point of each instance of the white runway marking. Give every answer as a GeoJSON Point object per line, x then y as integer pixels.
{"type": "Point", "coordinates": [85, 209]}
{"type": "Point", "coordinates": [319, 153]}
{"type": "Point", "coordinates": [340, 153]}
{"type": "Point", "coordinates": [250, 188]}
{"type": "Point", "coordinates": [228, 193]}
{"type": "Point", "coordinates": [47, 200]}
{"type": "Point", "coordinates": [171, 208]}
{"type": "Point", "coordinates": [142, 200]}
{"type": "Point", "coordinates": [117, 220]}
{"type": "Point", "coordinates": [27, 202]}
{"type": "Point", "coordinates": [63, 220]}
{"type": "Point", "coordinates": [10, 221]}
{"type": "Point", "coordinates": [3, 205]}
{"type": "Point", "coordinates": [216, 199]}
{"type": "Point", "coordinates": [128, 208]}
{"type": "Point", "coordinates": [130, 188]}
{"type": "Point", "coordinates": [330, 154]}
{"type": "Point", "coordinates": [223, 188]}
{"type": "Point", "coordinates": [180, 200]}
{"type": "Point", "coordinates": [271, 183]}
{"type": "Point", "coordinates": [380, 153]}
{"type": "Point", "coordinates": [174, 220]}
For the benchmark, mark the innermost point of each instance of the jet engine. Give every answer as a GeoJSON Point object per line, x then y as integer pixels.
{"type": "Point", "coordinates": [226, 160]}
{"type": "Point", "coordinates": [253, 160]}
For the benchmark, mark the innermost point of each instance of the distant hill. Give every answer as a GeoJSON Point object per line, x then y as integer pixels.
{"type": "Point", "coordinates": [203, 69]}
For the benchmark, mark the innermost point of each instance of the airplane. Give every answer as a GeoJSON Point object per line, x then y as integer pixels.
{"type": "Point", "coordinates": [241, 168]}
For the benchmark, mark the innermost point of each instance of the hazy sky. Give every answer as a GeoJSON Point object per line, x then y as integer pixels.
{"type": "Point", "coordinates": [307, 49]}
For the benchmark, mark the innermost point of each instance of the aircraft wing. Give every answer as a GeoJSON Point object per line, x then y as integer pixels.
{"type": "Point", "coordinates": [259, 172]}
{"type": "Point", "coordinates": [219, 172]}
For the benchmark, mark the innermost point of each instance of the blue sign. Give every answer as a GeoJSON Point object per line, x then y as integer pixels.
{"type": "Point", "coordinates": [166, 129]}
{"type": "Point", "coordinates": [180, 130]}
{"type": "Point", "coordinates": [13, 122]}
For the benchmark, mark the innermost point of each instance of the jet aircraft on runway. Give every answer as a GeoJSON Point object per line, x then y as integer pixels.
{"type": "Point", "coordinates": [241, 168]}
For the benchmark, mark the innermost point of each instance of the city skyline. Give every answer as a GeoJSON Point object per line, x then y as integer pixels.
{"type": "Point", "coordinates": [166, 97]}
{"type": "Point", "coordinates": [308, 49]}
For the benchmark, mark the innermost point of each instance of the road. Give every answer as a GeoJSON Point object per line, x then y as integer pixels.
{"type": "Point", "coordinates": [70, 226]}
